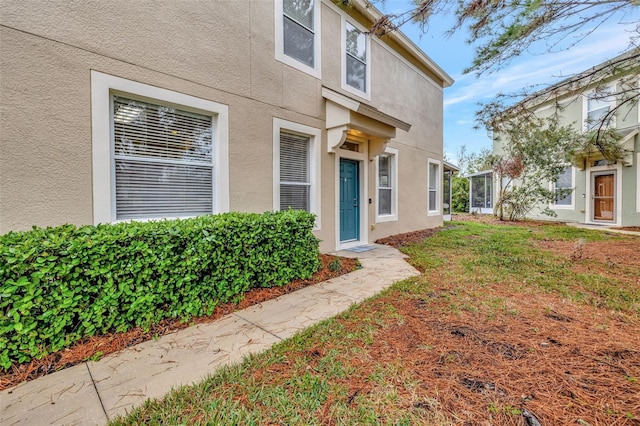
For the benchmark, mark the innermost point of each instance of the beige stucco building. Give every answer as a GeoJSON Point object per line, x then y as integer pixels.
{"type": "Point", "coordinates": [139, 110]}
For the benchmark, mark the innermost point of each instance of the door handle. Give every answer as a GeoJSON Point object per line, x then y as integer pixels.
{"type": "Point", "coordinates": [355, 202]}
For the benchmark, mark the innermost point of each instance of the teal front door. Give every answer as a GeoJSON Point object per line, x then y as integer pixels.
{"type": "Point", "coordinates": [349, 201]}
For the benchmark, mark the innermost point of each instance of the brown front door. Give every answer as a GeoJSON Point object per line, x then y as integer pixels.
{"type": "Point", "coordinates": [603, 199]}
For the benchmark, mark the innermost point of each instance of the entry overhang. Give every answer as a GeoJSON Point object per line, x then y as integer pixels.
{"type": "Point", "coordinates": [344, 114]}
{"type": "Point", "coordinates": [627, 141]}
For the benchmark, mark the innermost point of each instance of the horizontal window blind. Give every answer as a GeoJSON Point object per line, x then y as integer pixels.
{"type": "Point", "coordinates": [298, 42]}
{"type": "Point", "coordinates": [163, 161]}
{"type": "Point", "coordinates": [295, 182]}
{"type": "Point", "coordinates": [433, 186]}
{"type": "Point", "coordinates": [384, 185]}
{"type": "Point", "coordinates": [300, 11]}
{"type": "Point", "coordinates": [298, 28]}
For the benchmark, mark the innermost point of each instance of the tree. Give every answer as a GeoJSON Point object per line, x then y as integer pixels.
{"type": "Point", "coordinates": [468, 162]}
{"type": "Point", "coordinates": [537, 150]}
{"type": "Point", "coordinates": [502, 30]}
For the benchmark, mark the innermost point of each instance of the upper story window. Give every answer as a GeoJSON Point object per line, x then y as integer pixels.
{"type": "Point", "coordinates": [156, 153]}
{"type": "Point", "coordinates": [355, 61]}
{"type": "Point", "coordinates": [598, 105]}
{"type": "Point", "coordinates": [298, 34]}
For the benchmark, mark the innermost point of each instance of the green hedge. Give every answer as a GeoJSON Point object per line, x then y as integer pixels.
{"type": "Point", "coordinates": [62, 284]}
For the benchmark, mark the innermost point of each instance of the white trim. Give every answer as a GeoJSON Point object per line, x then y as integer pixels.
{"type": "Point", "coordinates": [437, 212]}
{"type": "Point", "coordinates": [393, 217]}
{"type": "Point", "coordinates": [362, 158]}
{"type": "Point", "coordinates": [343, 69]}
{"type": "Point", "coordinates": [572, 206]}
{"type": "Point", "coordinates": [316, 70]}
{"type": "Point", "coordinates": [103, 173]}
{"type": "Point", "coordinates": [403, 41]}
{"type": "Point", "coordinates": [314, 135]}
{"type": "Point", "coordinates": [617, 168]}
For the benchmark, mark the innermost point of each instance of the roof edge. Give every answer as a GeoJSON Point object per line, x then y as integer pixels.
{"type": "Point", "coordinates": [372, 13]}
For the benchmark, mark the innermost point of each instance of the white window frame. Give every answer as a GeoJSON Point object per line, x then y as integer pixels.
{"type": "Point", "coordinates": [103, 86]}
{"type": "Point", "coordinates": [585, 107]}
{"type": "Point", "coordinates": [314, 135]}
{"type": "Point", "coordinates": [315, 71]}
{"type": "Point", "coordinates": [572, 205]}
{"type": "Point", "coordinates": [392, 153]}
{"type": "Point", "coordinates": [343, 48]}
{"type": "Point", "coordinates": [438, 186]}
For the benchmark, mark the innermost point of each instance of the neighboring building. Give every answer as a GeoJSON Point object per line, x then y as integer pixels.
{"type": "Point", "coordinates": [603, 192]}
{"type": "Point", "coordinates": [115, 111]}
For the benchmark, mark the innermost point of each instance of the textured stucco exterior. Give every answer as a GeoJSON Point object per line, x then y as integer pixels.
{"type": "Point", "coordinates": [221, 51]}
{"type": "Point", "coordinates": [573, 112]}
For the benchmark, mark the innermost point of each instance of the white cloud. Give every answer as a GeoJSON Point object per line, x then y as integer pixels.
{"type": "Point", "coordinates": [543, 70]}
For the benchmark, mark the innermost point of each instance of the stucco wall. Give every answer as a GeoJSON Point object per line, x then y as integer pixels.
{"type": "Point", "coordinates": [202, 49]}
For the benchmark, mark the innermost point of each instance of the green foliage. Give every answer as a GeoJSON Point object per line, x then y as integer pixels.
{"type": "Point", "coordinates": [335, 265]}
{"type": "Point", "coordinates": [62, 284]}
{"type": "Point", "coordinates": [459, 194]}
{"type": "Point", "coordinates": [537, 151]}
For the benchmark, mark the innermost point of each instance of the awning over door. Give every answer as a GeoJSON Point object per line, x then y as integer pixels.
{"type": "Point", "coordinates": [346, 115]}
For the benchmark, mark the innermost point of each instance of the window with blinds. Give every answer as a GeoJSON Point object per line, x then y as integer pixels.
{"type": "Point", "coordinates": [163, 161]}
{"type": "Point", "coordinates": [434, 171]}
{"type": "Point", "coordinates": [356, 58]}
{"type": "Point", "coordinates": [295, 176]}
{"type": "Point", "coordinates": [385, 164]}
{"type": "Point", "coordinates": [298, 30]}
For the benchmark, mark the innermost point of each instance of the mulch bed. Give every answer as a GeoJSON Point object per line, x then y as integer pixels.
{"type": "Point", "coordinates": [97, 346]}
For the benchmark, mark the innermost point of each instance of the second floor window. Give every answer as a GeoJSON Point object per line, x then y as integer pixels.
{"type": "Point", "coordinates": [599, 104]}
{"type": "Point", "coordinates": [356, 58]}
{"type": "Point", "coordinates": [299, 31]}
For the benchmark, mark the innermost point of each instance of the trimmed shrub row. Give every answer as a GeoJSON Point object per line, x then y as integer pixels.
{"type": "Point", "coordinates": [59, 285]}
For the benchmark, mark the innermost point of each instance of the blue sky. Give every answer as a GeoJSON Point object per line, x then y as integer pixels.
{"type": "Point", "coordinates": [536, 66]}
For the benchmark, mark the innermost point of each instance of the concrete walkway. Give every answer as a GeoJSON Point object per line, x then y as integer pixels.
{"type": "Point", "coordinates": [94, 392]}
{"type": "Point", "coordinates": [604, 228]}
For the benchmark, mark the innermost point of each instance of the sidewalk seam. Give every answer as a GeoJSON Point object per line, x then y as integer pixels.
{"type": "Point", "coordinates": [93, 382]}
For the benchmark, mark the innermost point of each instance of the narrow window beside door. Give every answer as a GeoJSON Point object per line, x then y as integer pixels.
{"type": "Point", "coordinates": [563, 188]}
{"type": "Point", "coordinates": [385, 185]}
